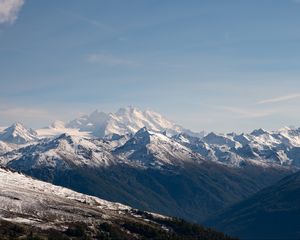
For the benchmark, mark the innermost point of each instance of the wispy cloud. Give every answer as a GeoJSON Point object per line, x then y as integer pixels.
{"type": "Point", "coordinates": [280, 98]}
{"type": "Point", "coordinates": [110, 60]}
{"type": "Point", "coordinates": [243, 113]}
{"type": "Point", "coordinates": [9, 10]}
{"type": "Point", "coordinates": [91, 21]}
{"type": "Point", "coordinates": [22, 112]}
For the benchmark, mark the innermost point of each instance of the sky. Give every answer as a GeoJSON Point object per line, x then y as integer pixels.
{"type": "Point", "coordinates": [213, 65]}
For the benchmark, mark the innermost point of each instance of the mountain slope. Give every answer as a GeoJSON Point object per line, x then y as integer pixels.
{"type": "Point", "coordinates": [34, 208]}
{"type": "Point", "coordinates": [272, 213]}
{"type": "Point", "coordinates": [4, 148]}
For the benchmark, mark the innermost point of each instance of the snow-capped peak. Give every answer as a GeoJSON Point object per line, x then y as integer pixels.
{"type": "Point", "coordinates": [155, 149]}
{"type": "Point", "coordinates": [220, 139]}
{"type": "Point", "coordinates": [131, 119]}
{"type": "Point", "coordinates": [18, 134]}
{"type": "Point", "coordinates": [125, 121]}
{"type": "Point", "coordinates": [64, 151]}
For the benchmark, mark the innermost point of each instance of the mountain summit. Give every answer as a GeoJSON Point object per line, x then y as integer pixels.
{"type": "Point", "coordinates": [18, 134]}
{"type": "Point", "coordinates": [156, 149]}
{"type": "Point", "coordinates": [126, 120]}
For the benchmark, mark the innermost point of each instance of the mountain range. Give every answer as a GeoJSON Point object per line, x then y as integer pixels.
{"type": "Point", "coordinates": [143, 160]}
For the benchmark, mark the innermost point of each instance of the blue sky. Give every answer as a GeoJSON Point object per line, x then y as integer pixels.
{"type": "Point", "coordinates": [222, 66]}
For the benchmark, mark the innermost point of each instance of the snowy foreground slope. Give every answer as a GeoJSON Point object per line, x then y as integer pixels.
{"type": "Point", "coordinates": [41, 206]}
{"type": "Point", "coordinates": [23, 199]}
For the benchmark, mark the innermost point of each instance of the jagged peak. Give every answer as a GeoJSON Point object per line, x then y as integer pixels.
{"type": "Point", "coordinates": [18, 133]}
{"type": "Point", "coordinates": [65, 136]}
{"type": "Point", "coordinates": [258, 132]}
{"type": "Point", "coordinates": [213, 134]}
{"type": "Point", "coordinates": [285, 129]}
{"type": "Point", "coordinates": [17, 126]}
{"type": "Point", "coordinates": [143, 132]}
{"type": "Point", "coordinates": [141, 137]}
{"type": "Point", "coordinates": [143, 129]}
